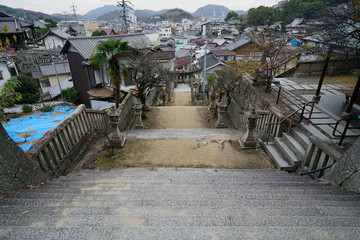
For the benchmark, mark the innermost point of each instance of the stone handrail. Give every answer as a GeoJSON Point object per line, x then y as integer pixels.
{"type": "Point", "coordinates": [126, 111]}
{"type": "Point", "coordinates": [239, 119]}
{"type": "Point", "coordinates": [56, 147]}
{"type": "Point", "coordinates": [320, 154]}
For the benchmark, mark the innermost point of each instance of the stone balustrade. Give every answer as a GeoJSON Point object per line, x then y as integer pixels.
{"type": "Point", "coordinates": [58, 148]}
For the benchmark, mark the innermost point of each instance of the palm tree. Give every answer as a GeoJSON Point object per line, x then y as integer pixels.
{"type": "Point", "coordinates": [108, 54]}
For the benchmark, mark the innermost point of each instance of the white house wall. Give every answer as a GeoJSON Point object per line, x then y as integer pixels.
{"type": "Point", "coordinates": [52, 42]}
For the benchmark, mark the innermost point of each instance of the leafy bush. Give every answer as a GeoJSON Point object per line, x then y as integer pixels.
{"type": "Point", "coordinates": [28, 89]}
{"type": "Point", "coordinates": [71, 95]}
{"type": "Point", "coordinates": [27, 108]}
{"type": "Point", "coordinates": [46, 108]}
{"type": "Point", "coordinates": [8, 102]}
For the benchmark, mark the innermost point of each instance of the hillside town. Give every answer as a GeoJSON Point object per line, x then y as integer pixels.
{"type": "Point", "coordinates": [139, 114]}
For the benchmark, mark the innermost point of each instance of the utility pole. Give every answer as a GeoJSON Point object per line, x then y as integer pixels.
{"type": "Point", "coordinates": [57, 76]}
{"type": "Point", "coordinates": [64, 15]}
{"type": "Point", "coordinates": [124, 5]}
{"type": "Point", "coordinates": [73, 9]}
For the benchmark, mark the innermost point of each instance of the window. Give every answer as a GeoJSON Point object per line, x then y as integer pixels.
{"type": "Point", "coordinates": [225, 58]}
{"type": "Point", "coordinates": [45, 83]}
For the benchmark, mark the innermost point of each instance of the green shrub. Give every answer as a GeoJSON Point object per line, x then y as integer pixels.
{"type": "Point", "coordinates": [46, 108]}
{"type": "Point", "coordinates": [71, 95]}
{"type": "Point", "coordinates": [8, 102]}
{"type": "Point", "coordinates": [29, 98]}
{"type": "Point", "coordinates": [28, 89]}
{"type": "Point", "coordinates": [27, 108]}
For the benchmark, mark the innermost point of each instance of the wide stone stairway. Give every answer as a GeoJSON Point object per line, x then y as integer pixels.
{"type": "Point", "coordinates": [173, 203]}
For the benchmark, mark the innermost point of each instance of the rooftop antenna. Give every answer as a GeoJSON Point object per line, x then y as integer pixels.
{"type": "Point", "coordinates": [73, 8]}
{"type": "Point", "coordinates": [124, 4]}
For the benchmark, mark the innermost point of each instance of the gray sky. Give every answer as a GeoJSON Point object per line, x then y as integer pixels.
{"type": "Point", "coordinates": [83, 6]}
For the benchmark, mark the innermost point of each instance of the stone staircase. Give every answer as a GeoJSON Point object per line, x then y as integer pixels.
{"type": "Point", "coordinates": [288, 151]}
{"type": "Point", "coordinates": [169, 203]}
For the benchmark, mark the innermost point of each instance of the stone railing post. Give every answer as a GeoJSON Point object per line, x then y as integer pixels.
{"type": "Point", "coordinates": [221, 111]}
{"type": "Point", "coordinates": [117, 140]}
{"type": "Point", "coordinates": [138, 121]}
{"type": "Point", "coordinates": [248, 141]}
{"type": "Point", "coordinates": [192, 89]}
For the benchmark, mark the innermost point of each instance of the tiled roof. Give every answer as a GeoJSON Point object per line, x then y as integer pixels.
{"type": "Point", "coordinates": [211, 61]}
{"type": "Point", "coordinates": [182, 53]}
{"type": "Point", "coordinates": [107, 30]}
{"type": "Point", "coordinates": [47, 69]}
{"type": "Point", "coordinates": [182, 61]}
{"type": "Point", "coordinates": [86, 46]}
{"type": "Point", "coordinates": [237, 44]}
{"type": "Point", "coordinates": [57, 32]}
{"type": "Point", "coordinates": [167, 55]}
{"type": "Point", "coordinates": [223, 52]}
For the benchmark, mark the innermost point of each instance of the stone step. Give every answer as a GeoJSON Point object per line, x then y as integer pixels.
{"type": "Point", "coordinates": [277, 157]}
{"type": "Point", "coordinates": [300, 137]}
{"type": "Point", "coordinates": [179, 202]}
{"type": "Point", "coordinates": [294, 145]}
{"type": "Point", "coordinates": [179, 210]}
{"type": "Point", "coordinates": [312, 131]}
{"type": "Point", "coordinates": [287, 152]}
{"type": "Point", "coordinates": [165, 232]}
{"type": "Point", "coordinates": [177, 221]}
{"type": "Point", "coordinates": [134, 197]}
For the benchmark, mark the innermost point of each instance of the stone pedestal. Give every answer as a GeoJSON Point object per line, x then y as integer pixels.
{"type": "Point", "coordinates": [248, 140]}
{"type": "Point", "coordinates": [138, 121]}
{"type": "Point", "coordinates": [117, 140]}
{"type": "Point", "coordinates": [221, 111]}
{"type": "Point", "coordinates": [212, 106]}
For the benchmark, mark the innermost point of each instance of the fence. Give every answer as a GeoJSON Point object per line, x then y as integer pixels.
{"type": "Point", "coordinates": [56, 149]}
{"type": "Point", "coordinates": [126, 111]}
{"type": "Point", "coordinates": [237, 115]}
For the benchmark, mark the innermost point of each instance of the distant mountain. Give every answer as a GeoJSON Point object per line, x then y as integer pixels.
{"type": "Point", "coordinates": [66, 17]}
{"type": "Point", "coordinates": [27, 14]}
{"type": "Point", "coordinates": [95, 13]}
{"type": "Point", "coordinates": [208, 11]}
{"type": "Point", "coordinates": [173, 15]}
{"type": "Point", "coordinates": [145, 14]}
{"type": "Point", "coordinates": [241, 12]}
{"type": "Point", "coordinates": [110, 16]}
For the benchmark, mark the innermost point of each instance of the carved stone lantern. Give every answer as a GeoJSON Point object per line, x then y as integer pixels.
{"type": "Point", "coordinates": [117, 140]}
{"type": "Point", "coordinates": [248, 140]}
{"type": "Point", "coordinates": [212, 106]}
{"type": "Point", "coordinates": [221, 111]}
{"type": "Point", "coordinates": [138, 121]}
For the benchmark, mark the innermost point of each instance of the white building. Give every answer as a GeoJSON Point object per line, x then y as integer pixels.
{"type": "Point", "coordinates": [164, 32]}
{"type": "Point", "coordinates": [55, 38]}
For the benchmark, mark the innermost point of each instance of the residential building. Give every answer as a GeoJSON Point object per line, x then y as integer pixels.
{"type": "Point", "coordinates": [47, 76]}
{"type": "Point", "coordinates": [165, 32]}
{"type": "Point", "coordinates": [224, 54]}
{"type": "Point", "coordinates": [90, 81]}
{"type": "Point", "coordinates": [109, 31]}
{"type": "Point", "coordinates": [55, 38]}
{"type": "Point", "coordinates": [213, 64]}
{"type": "Point", "coordinates": [242, 47]}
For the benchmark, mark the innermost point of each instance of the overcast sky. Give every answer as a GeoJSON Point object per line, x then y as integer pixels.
{"type": "Point", "coordinates": [83, 6]}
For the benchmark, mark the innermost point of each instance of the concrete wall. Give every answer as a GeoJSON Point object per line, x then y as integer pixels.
{"type": "Point", "coordinates": [335, 66]}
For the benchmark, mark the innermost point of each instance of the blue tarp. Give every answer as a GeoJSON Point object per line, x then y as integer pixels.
{"type": "Point", "coordinates": [27, 130]}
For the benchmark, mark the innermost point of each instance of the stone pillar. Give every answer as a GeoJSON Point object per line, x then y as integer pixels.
{"type": "Point", "coordinates": [212, 106]}
{"type": "Point", "coordinates": [192, 89]}
{"type": "Point", "coordinates": [248, 140]}
{"type": "Point", "coordinates": [138, 121]}
{"type": "Point", "coordinates": [117, 140]}
{"type": "Point", "coordinates": [168, 90]}
{"type": "Point", "coordinates": [221, 111]}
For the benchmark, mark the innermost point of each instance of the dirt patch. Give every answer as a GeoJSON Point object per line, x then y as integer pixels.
{"type": "Point", "coordinates": [207, 153]}
{"type": "Point", "coordinates": [181, 99]}
{"type": "Point", "coordinates": [179, 117]}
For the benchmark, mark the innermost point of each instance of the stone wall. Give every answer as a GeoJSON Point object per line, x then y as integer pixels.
{"type": "Point", "coordinates": [346, 171]}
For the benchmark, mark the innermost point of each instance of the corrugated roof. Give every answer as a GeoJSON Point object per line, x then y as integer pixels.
{"type": "Point", "coordinates": [237, 44]}
{"type": "Point", "coordinates": [47, 69]}
{"type": "Point", "coordinates": [86, 46]}
{"type": "Point", "coordinates": [182, 53]}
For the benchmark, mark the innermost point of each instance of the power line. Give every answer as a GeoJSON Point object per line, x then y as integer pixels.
{"type": "Point", "coordinates": [124, 5]}
{"type": "Point", "coordinates": [73, 8]}
{"type": "Point", "coordinates": [36, 5]}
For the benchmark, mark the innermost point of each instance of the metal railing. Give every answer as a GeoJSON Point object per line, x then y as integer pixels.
{"type": "Point", "coordinates": [347, 127]}
{"type": "Point", "coordinates": [302, 108]}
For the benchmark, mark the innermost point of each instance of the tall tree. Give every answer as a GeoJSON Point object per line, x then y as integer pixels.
{"type": "Point", "coordinates": [261, 16]}
{"type": "Point", "coordinates": [108, 53]}
{"type": "Point", "coordinates": [272, 45]}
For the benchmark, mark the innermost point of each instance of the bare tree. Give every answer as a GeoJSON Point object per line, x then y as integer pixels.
{"type": "Point", "coordinates": [272, 45]}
